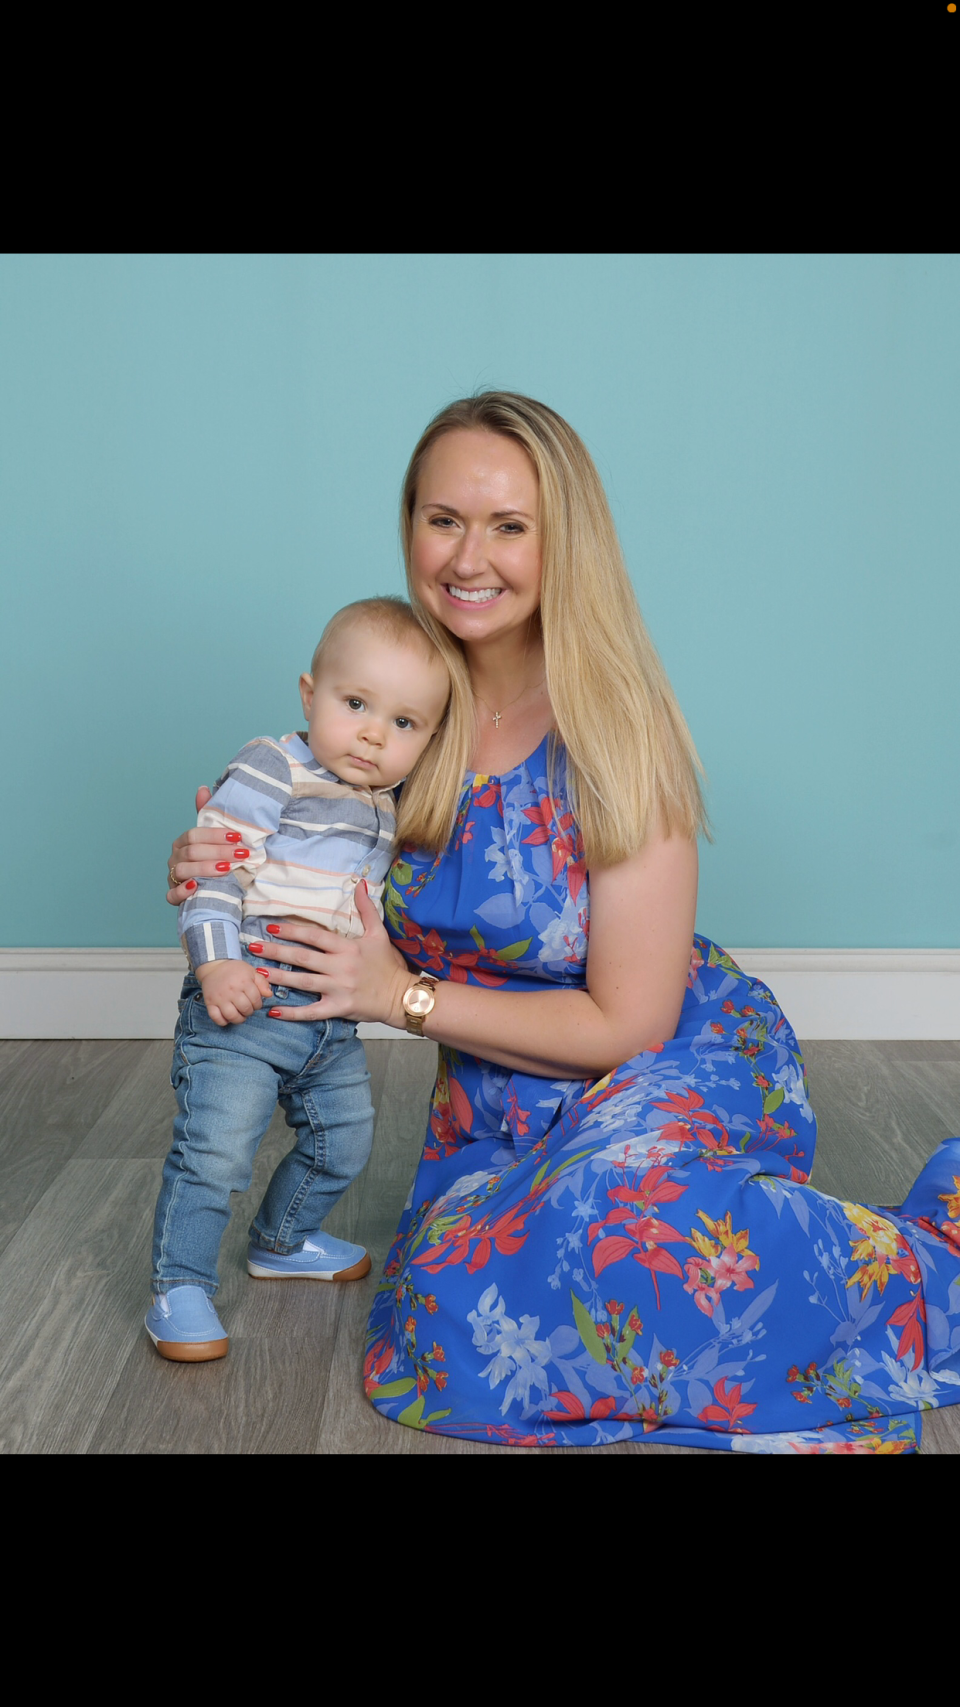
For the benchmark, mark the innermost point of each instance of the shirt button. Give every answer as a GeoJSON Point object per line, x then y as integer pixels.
{"type": "Point", "coordinates": [365, 871]}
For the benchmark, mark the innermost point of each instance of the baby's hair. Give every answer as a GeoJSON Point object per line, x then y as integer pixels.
{"type": "Point", "coordinates": [388, 615]}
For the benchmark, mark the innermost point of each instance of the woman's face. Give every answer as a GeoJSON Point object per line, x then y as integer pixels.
{"type": "Point", "coordinates": [475, 550]}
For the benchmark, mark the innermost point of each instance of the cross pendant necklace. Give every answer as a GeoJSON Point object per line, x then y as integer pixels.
{"type": "Point", "coordinates": [496, 715]}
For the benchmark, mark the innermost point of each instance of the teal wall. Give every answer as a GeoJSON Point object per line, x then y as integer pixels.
{"type": "Point", "coordinates": [201, 458]}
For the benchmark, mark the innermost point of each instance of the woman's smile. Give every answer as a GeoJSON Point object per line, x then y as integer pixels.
{"type": "Point", "coordinates": [472, 595]}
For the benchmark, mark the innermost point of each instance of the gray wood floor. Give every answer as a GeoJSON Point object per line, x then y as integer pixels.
{"type": "Point", "coordinates": [86, 1127]}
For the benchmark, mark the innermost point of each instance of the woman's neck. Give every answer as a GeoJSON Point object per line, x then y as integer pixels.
{"type": "Point", "coordinates": [504, 668]}
{"type": "Point", "coordinates": [513, 707]}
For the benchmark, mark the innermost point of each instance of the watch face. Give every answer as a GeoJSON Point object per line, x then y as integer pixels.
{"type": "Point", "coordinates": [418, 1001]}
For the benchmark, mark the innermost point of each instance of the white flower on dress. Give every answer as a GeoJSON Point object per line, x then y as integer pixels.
{"type": "Point", "coordinates": [466, 1186]}
{"type": "Point", "coordinates": [774, 1445]}
{"type": "Point", "coordinates": [790, 1080]}
{"type": "Point", "coordinates": [496, 855]}
{"type": "Point", "coordinates": [507, 864]}
{"type": "Point", "coordinates": [563, 938]}
{"type": "Point", "coordinates": [916, 1386]}
{"type": "Point", "coordinates": [518, 1357]}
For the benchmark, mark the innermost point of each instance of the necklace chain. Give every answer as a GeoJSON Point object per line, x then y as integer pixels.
{"type": "Point", "coordinates": [496, 715]}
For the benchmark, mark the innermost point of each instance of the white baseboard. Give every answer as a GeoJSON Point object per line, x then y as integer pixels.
{"type": "Point", "coordinates": [825, 992]}
{"type": "Point", "coordinates": [98, 992]}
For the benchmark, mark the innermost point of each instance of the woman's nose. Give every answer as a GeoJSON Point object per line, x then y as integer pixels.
{"type": "Point", "coordinates": [469, 557]}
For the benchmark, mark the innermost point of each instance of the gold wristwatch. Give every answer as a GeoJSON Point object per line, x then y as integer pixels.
{"type": "Point", "coordinates": [418, 1002]}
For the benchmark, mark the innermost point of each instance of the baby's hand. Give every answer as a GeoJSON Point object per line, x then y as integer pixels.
{"type": "Point", "coordinates": [232, 990]}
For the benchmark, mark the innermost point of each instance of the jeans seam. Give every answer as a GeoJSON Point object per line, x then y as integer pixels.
{"type": "Point", "coordinates": [321, 1046]}
{"type": "Point", "coordinates": [181, 1142]}
{"type": "Point", "coordinates": [319, 1163]}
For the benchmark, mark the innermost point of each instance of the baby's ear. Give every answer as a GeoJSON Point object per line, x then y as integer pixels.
{"type": "Point", "coordinates": [306, 693]}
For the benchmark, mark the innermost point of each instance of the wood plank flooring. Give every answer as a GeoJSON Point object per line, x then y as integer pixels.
{"type": "Point", "coordinates": [85, 1128]}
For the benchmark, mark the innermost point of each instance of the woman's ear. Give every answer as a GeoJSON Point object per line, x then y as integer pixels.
{"type": "Point", "coordinates": [306, 694]}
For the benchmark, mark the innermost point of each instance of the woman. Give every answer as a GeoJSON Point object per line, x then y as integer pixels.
{"type": "Point", "coordinates": [609, 1233]}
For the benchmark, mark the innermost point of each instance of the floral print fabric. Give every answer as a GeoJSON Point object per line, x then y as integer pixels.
{"type": "Point", "coordinates": [639, 1256]}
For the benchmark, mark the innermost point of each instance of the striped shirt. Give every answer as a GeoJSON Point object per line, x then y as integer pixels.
{"type": "Point", "coordinates": [311, 839]}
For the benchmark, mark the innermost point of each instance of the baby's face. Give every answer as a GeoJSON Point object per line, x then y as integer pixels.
{"type": "Point", "coordinates": [372, 707]}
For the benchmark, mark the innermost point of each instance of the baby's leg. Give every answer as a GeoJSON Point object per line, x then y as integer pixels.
{"type": "Point", "coordinates": [328, 1107]}
{"type": "Point", "coordinates": [226, 1095]}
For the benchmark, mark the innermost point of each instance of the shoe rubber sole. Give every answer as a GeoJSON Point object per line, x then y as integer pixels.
{"type": "Point", "coordinates": [200, 1351]}
{"type": "Point", "coordinates": [357, 1272]}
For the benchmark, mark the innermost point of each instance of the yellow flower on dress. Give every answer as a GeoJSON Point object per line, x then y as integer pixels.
{"type": "Point", "coordinates": [723, 1232]}
{"type": "Point", "coordinates": [875, 1252]}
{"type": "Point", "coordinates": [881, 1239]}
{"type": "Point", "coordinates": [952, 1201]}
{"type": "Point", "coordinates": [724, 1241]}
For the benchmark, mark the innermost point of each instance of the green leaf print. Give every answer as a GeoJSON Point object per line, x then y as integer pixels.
{"type": "Point", "coordinates": [413, 1413]}
{"type": "Point", "coordinates": [587, 1329]}
{"type": "Point", "coordinates": [393, 1389]}
{"type": "Point", "coordinates": [514, 950]}
{"type": "Point", "coordinates": [394, 904]}
{"type": "Point", "coordinates": [719, 957]}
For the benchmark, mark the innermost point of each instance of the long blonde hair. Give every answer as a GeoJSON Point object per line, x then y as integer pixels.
{"type": "Point", "coordinates": [631, 762]}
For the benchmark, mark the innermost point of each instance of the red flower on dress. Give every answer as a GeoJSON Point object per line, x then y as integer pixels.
{"type": "Point", "coordinates": [728, 1409]}
{"type": "Point", "coordinates": [572, 1410]}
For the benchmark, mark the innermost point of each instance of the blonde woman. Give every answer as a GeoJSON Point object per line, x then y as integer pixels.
{"type": "Point", "coordinates": [610, 1233]}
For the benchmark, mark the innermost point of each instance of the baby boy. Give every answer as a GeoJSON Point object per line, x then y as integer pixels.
{"type": "Point", "coordinates": [317, 816]}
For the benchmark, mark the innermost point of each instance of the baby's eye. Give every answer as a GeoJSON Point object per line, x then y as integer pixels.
{"type": "Point", "coordinates": [403, 723]}
{"type": "Point", "coordinates": [354, 703]}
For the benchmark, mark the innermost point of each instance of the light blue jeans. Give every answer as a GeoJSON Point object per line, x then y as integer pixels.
{"type": "Point", "coordinates": [228, 1081]}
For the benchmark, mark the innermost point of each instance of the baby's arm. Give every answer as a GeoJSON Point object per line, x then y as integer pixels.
{"type": "Point", "coordinates": [232, 990]}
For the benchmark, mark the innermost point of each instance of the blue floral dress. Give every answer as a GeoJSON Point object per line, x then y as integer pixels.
{"type": "Point", "coordinates": [639, 1256]}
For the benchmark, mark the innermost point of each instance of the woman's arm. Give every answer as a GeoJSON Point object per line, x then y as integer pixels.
{"type": "Point", "coordinates": [641, 930]}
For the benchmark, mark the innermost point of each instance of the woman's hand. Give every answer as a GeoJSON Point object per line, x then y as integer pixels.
{"type": "Point", "coordinates": [200, 853]}
{"type": "Point", "coordinates": [356, 978]}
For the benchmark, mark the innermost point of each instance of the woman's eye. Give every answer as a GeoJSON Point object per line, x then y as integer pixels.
{"type": "Point", "coordinates": [442, 522]}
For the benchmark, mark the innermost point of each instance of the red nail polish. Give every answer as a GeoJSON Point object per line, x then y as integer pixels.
{"type": "Point", "coordinates": [234, 836]}
{"type": "Point", "coordinates": [275, 1013]}
{"type": "Point", "coordinates": [274, 930]}
{"type": "Point", "coordinates": [223, 865]}
{"type": "Point", "coordinates": [255, 947]}
{"type": "Point", "coordinates": [260, 972]}
{"type": "Point", "coordinates": [241, 853]}
{"type": "Point", "coordinates": [190, 885]}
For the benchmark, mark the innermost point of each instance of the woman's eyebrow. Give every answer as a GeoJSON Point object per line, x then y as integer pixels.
{"type": "Point", "coordinates": [496, 515]}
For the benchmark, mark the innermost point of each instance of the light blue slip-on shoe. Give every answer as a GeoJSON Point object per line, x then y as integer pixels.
{"type": "Point", "coordinates": [322, 1258]}
{"type": "Point", "coordinates": [185, 1327]}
